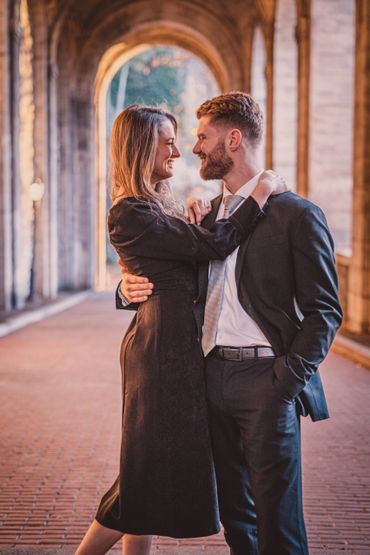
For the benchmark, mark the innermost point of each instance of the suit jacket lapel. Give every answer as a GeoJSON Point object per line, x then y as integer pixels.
{"type": "Point", "coordinates": [210, 219]}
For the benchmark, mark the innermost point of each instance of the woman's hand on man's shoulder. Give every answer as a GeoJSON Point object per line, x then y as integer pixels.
{"type": "Point", "coordinates": [197, 209]}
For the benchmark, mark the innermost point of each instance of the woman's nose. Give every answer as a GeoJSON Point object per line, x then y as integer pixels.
{"type": "Point", "coordinates": [175, 152]}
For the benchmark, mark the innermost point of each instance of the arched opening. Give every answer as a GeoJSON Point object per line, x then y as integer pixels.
{"type": "Point", "coordinates": [258, 79]}
{"type": "Point", "coordinates": [164, 74]}
{"type": "Point", "coordinates": [285, 92]}
{"type": "Point", "coordinates": [331, 115]}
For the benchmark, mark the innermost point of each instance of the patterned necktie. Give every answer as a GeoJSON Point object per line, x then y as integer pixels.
{"type": "Point", "coordinates": [216, 284]}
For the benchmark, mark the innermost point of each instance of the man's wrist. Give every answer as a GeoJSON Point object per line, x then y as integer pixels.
{"type": "Point", "coordinates": [123, 299]}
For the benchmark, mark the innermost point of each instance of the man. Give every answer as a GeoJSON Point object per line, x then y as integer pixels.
{"type": "Point", "coordinates": [267, 317]}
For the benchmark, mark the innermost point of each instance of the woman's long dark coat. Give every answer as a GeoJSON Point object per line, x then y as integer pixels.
{"type": "Point", "coordinates": [166, 484]}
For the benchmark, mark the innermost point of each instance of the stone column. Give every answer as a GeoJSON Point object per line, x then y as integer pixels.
{"type": "Point", "coordinates": [41, 147]}
{"type": "Point", "coordinates": [53, 181]}
{"type": "Point", "coordinates": [359, 277]}
{"type": "Point", "coordinates": [5, 163]}
{"type": "Point", "coordinates": [247, 33]}
{"type": "Point", "coordinates": [66, 192]}
{"type": "Point", "coordinates": [258, 81]}
{"type": "Point", "coordinates": [17, 299]}
{"type": "Point", "coordinates": [268, 30]}
{"type": "Point", "coordinates": [83, 119]}
{"type": "Point", "coordinates": [285, 92]}
{"type": "Point", "coordinates": [303, 40]}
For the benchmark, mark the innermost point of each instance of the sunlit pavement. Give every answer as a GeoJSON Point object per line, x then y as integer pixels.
{"type": "Point", "coordinates": [60, 435]}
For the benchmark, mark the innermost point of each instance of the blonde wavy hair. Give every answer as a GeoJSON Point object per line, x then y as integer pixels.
{"type": "Point", "coordinates": [133, 147]}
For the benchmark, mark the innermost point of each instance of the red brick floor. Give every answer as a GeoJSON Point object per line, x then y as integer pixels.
{"type": "Point", "coordinates": [60, 434]}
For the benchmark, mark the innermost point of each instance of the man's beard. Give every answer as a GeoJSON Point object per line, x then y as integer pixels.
{"type": "Point", "coordinates": [217, 163]}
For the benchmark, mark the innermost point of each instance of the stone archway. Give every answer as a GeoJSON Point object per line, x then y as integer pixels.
{"type": "Point", "coordinates": [113, 59]}
{"type": "Point", "coordinates": [82, 63]}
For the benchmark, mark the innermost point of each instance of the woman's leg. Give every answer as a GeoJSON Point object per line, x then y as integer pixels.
{"type": "Point", "coordinates": [136, 545]}
{"type": "Point", "coordinates": [99, 539]}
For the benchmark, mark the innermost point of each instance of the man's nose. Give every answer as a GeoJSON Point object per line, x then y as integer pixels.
{"type": "Point", "coordinates": [196, 149]}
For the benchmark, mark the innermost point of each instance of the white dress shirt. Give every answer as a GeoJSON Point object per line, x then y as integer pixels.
{"type": "Point", "coordinates": [235, 327]}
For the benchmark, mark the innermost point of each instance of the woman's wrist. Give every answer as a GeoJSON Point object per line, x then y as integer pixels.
{"type": "Point", "coordinates": [261, 195]}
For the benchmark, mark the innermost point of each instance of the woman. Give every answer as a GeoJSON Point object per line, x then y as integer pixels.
{"type": "Point", "coordinates": [166, 484]}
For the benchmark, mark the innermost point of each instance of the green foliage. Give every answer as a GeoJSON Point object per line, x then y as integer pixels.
{"type": "Point", "coordinates": [156, 76]}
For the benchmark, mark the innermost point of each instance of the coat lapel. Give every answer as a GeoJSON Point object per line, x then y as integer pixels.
{"type": "Point", "coordinates": [211, 217]}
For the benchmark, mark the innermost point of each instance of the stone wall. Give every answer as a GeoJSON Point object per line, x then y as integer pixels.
{"type": "Point", "coordinates": [331, 114]}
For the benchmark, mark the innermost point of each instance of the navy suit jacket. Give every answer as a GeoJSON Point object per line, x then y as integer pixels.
{"type": "Point", "coordinates": [287, 282]}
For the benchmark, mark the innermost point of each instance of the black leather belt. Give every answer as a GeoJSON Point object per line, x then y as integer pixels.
{"type": "Point", "coordinates": [242, 353]}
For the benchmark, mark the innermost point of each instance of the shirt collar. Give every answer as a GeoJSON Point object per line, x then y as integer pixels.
{"type": "Point", "coordinates": [246, 189]}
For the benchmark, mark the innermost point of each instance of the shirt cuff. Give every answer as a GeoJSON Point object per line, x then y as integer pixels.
{"type": "Point", "coordinates": [124, 301]}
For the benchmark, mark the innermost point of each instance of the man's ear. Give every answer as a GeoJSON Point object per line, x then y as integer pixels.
{"type": "Point", "coordinates": [234, 139]}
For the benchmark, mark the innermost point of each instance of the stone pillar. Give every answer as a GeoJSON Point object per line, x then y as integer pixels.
{"type": "Point", "coordinates": [17, 299]}
{"type": "Point", "coordinates": [53, 181]}
{"type": "Point", "coordinates": [359, 278]}
{"type": "Point", "coordinates": [285, 92]}
{"type": "Point", "coordinates": [303, 40]}
{"type": "Point", "coordinates": [66, 143]}
{"type": "Point", "coordinates": [258, 81]}
{"type": "Point", "coordinates": [247, 33]}
{"type": "Point", "coordinates": [5, 161]}
{"type": "Point", "coordinates": [45, 259]}
{"type": "Point", "coordinates": [83, 118]}
{"type": "Point", "coordinates": [268, 30]}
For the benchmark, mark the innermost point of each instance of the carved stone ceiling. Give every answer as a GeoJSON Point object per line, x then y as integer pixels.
{"type": "Point", "coordinates": [87, 12]}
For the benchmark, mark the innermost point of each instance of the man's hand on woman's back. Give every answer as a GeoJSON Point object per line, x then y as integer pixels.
{"type": "Point", "coordinates": [135, 289]}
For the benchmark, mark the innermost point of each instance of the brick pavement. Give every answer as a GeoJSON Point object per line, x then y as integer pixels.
{"type": "Point", "coordinates": [60, 416]}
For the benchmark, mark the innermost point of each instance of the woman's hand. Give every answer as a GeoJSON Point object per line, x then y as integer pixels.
{"type": "Point", "coordinates": [274, 182]}
{"type": "Point", "coordinates": [269, 183]}
{"type": "Point", "coordinates": [197, 209]}
{"type": "Point", "coordinates": [135, 289]}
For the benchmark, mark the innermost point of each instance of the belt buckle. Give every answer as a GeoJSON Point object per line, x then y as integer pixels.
{"type": "Point", "coordinates": [235, 352]}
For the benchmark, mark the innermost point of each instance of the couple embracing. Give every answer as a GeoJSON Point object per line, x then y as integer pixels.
{"type": "Point", "coordinates": [221, 360]}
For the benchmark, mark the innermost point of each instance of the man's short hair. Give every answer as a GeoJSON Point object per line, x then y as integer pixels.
{"type": "Point", "coordinates": [235, 109]}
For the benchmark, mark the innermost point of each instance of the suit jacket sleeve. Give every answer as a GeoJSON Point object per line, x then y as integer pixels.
{"type": "Point", "coordinates": [125, 305]}
{"type": "Point", "coordinates": [137, 228]}
{"type": "Point", "coordinates": [317, 297]}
